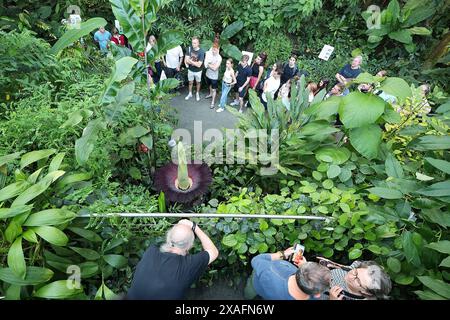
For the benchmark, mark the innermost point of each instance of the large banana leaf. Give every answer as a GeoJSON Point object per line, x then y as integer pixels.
{"type": "Point", "coordinates": [231, 30]}
{"type": "Point", "coordinates": [166, 41]}
{"type": "Point", "coordinates": [121, 71]}
{"type": "Point", "coordinates": [73, 35]}
{"type": "Point", "coordinates": [232, 51]}
{"type": "Point", "coordinates": [85, 145]}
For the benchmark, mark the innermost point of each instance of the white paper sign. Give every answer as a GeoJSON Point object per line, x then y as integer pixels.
{"type": "Point", "coordinates": [326, 52]}
{"type": "Point", "coordinates": [118, 27]}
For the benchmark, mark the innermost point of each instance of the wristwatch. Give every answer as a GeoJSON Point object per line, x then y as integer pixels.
{"type": "Point", "coordinates": [194, 225]}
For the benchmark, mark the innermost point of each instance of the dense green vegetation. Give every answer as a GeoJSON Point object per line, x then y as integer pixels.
{"type": "Point", "coordinates": [73, 124]}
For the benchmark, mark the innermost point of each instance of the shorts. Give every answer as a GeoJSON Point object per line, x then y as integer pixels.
{"type": "Point", "coordinates": [195, 75]}
{"type": "Point", "coordinates": [213, 83]}
{"type": "Point", "coordinates": [242, 93]}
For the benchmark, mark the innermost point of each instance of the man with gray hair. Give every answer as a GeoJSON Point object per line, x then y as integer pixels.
{"type": "Point", "coordinates": [274, 278]}
{"type": "Point", "coordinates": [166, 273]}
{"type": "Point", "coordinates": [349, 72]}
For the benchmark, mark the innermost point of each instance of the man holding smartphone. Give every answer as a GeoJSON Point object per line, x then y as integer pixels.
{"type": "Point", "coordinates": [274, 278]}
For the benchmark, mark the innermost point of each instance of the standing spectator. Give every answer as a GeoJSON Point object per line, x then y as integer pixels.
{"type": "Point", "coordinates": [213, 61]}
{"type": "Point", "coordinates": [117, 38]}
{"type": "Point", "coordinates": [349, 72]}
{"type": "Point", "coordinates": [257, 69]}
{"type": "Point", "coordinates": [168, 272]}
{"type": "Point", "coordinates": [243, 76]}
{"type": "Point", "coordinates": [229, 80]}
{"type": "Point", "coordinates": [260, 85]}
{"type": "Point", "coordinates": [290, 69]}
{"type": "Point", "coordinates": [102, 37]}
{"type": "Point", "coordinates": [172, 61]}
{"type": "Point", "coordinates": [194, 60]}
{"type": "Point", "coordinates": [273, 278]}
{"type": "Point", "coordinates": [271, 86]}
{"type": "Point", "coordinates": [158, 66]}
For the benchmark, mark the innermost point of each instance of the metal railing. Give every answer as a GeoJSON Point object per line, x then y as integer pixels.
{"type": "Point", "coordinates": [199, 215]}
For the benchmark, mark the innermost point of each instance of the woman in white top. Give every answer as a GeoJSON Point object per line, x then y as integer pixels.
{"type": "Point", "coordinates": [228, 80]}
{"type": "Point", "coordinates": [271, 86]}
{"type": "Point", "coordinates": [284, 94]}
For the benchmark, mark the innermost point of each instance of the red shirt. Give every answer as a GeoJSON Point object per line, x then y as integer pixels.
{"type": "Point", "coordinates": [120, 40]}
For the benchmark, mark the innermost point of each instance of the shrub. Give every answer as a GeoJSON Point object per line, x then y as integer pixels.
{"type": "Point", "coordinates": [278, 47]}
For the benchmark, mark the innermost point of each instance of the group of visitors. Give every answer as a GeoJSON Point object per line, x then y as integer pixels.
{"type": "Point", "coordinates": [276, 82]}
{"type": "Point", "coordinates": [169, 271]}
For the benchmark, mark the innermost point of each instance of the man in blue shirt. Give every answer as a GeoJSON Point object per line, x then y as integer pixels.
{"type": "Point", "coordinates": [102, 37]}
{"type": "Point", "coordinates": [274, 278]}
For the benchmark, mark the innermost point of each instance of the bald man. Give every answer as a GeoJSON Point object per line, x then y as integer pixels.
{"type": "Point", "coordinates": [349, 71]}
{"type": "Point", "coordinates": [166, 273]}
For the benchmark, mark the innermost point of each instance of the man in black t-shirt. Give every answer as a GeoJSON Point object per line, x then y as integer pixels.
{"type": "Point", "coordinates": [290, 70]}
{"type": "Point", "coordinates": [166, 273]}
{"type": "Point", "coordinates": [194, 60]}
{"type": "Point", "coordinates": [243, 75]}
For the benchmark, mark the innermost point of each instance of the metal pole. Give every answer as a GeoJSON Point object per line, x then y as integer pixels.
{"type": "Point", "coordinates": [198, 215]}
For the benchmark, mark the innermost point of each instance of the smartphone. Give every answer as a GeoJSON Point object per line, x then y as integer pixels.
{"type": "Point", "coordinates": [297, 256]}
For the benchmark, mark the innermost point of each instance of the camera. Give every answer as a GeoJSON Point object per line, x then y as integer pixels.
{"type": "Point", "coordinates": [297, 256]}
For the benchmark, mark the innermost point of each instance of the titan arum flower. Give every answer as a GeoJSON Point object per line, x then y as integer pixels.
{"type": "Point", "coordinates": [183, 182]}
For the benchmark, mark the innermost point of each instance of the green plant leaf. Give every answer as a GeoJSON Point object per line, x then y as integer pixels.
{"type": "Point", "coordinates": [33, 156]}
{"type": "Point", "coordinates": [358, 109]}
{"type": "Point", "coordinates": [115, 260]}
{"type": "Point", "coordinates": [73, 178]}
{"type": "Point", "coordinates": [55, 164]}
{"type": "Point", "coordinates": [49, 217]}
{"type": "Point", "coordinates": [440, 246]}
{"type": "Point", "coordinates": [366, 140]}
{"type": "Point", "coordinates": [428, 295]}
{"type": "Point", "coordinates": [16, 259]}
{"type": "Point", "coordinates": [404, 279]}
{"type": "Point", "coordinates": [30, 236]}
{"type": "Point", "coordinates": [85, 145]}
{"type": "Point", "coordinates": [333, 171]}
{"type": "Point", "coordinates": [58, 290]}
{"type": "Point", "coordinates": [445, 263]}
{"type": "Point", "coordinates": [33, 276]}
{"type": "Point", "coordinates": [232, 51]}
{"type": "Point", "coordinates": [410, 249]}
{"type": "Point", "coordinates": [229, 240]}
{"type": "Point", "coordinates": [394, 264]}
{"type": "Point", "coordinates": [442, 165]}
{"type": "Point", "coordinates": [386, 193]}
{"type": "Point", "coordinates": [231, 30]}
{"type": "Point", "coordinates": [421, 31]}
{"type": "Point", "coordinates": [130, 22]}
{"type": "Point", "coordinates": [440, 189]}
{"type": "Point", "coordinates": [335, 155]}
{"type": "Point", "coordinates": [430, 142]}
{"type": "Point", "coordinates": [9, 157]}
{"type": "Point", "coordinates": [12, 212]}
{"type": "Point", "coordinates": [51, 235]}
{"type": "Point", "coordinates": [72, 35]}
{"type": "Point", "coordinates": [14, 189]}
{"type": "Point", "coordinates": [397, 87]}
{"type": "Point", "coordinates": [122, 69]}
{"type": "Point", "coordinates": [86, 234]}
{"type": "Point", "coordinates": [438, 286]}
{"type": "Point", "coordinates": [37, 189]}
{"type": "Point", "coordinates": [86, 253]}
{"type": "Point", "coordinates": [403, 36]}
{"type": "Point", "coordinates": [393, 167]}
{"type": "Point", "coordinates": [354, 254]}
{"type": "Point", "coordinates": [325, 109]}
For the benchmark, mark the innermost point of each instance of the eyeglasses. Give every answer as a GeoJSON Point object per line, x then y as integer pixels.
{"type": "Point", "coordinates": [356, 278]}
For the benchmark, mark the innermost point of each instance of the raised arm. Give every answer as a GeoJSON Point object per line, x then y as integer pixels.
{"type": "Point", "coordinates": [207, 244]}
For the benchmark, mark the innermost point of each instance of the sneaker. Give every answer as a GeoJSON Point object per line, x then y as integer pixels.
{"type": "Point", "coordinates": [234, 103]}
{"type": "Point", "coordinates": [241, 111]}
{"type": "Point", "coordinates": [197, 96]}
{"type": "Point", "coordinates": [212, 106]}
{"type": "Point", "coordinates": [208, 96]}
{"type": "Point", "coordinates": [220, 110]}
{"type": "Point", "coordinates": [188, 96]}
